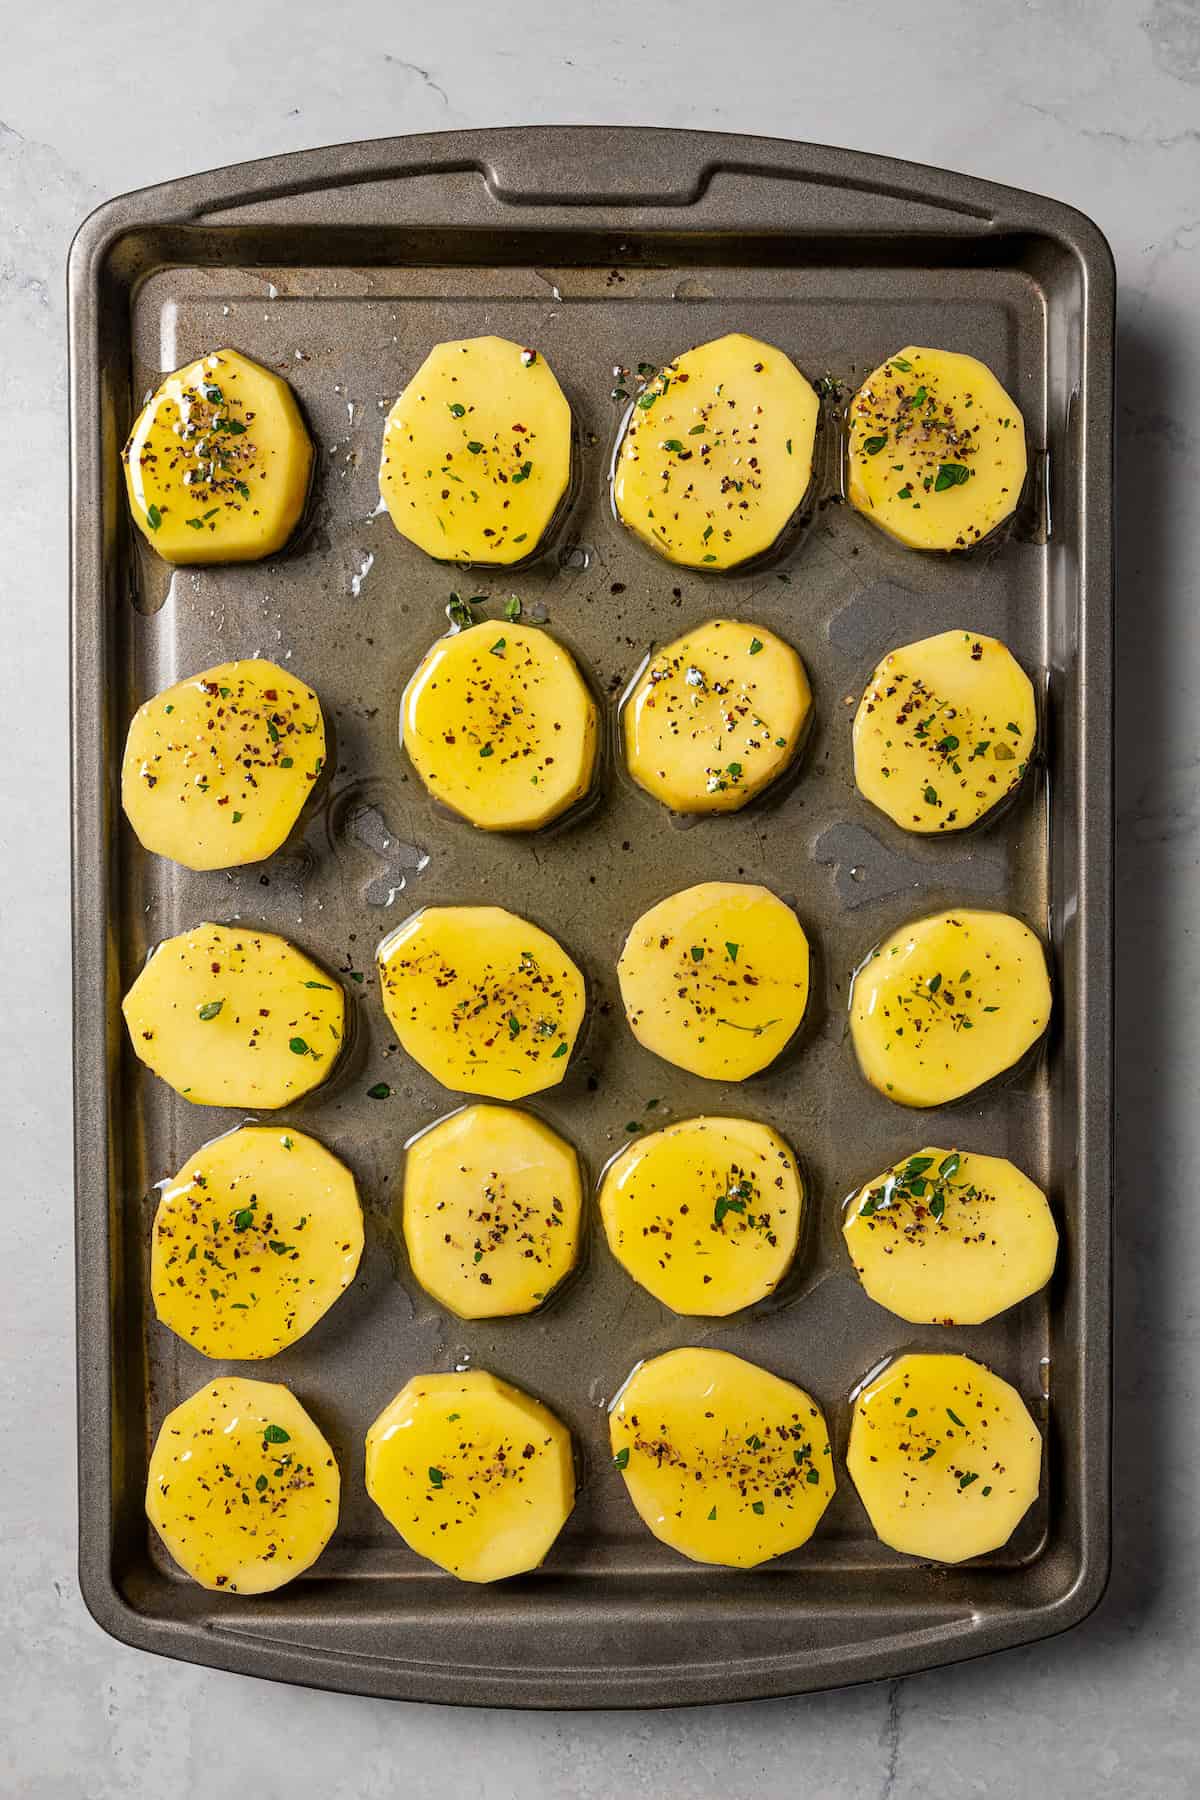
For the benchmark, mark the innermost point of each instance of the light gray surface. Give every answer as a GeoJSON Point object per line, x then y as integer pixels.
{"type": "Point", "coordinates": [1098, 105]}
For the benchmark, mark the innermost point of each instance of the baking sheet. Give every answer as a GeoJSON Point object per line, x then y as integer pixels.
{"type": "Point", "coordinates": [603, 249]}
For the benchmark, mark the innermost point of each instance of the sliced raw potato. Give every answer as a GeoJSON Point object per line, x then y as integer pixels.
{"type": "Point", "coordinates": [477, 452]}
{"type": "Point", "coordinates": [716, 716]}
{"type": "Point", "coordinates": [500, 726]}
{"type": "Point", "coordinates": [715, 979]}
{"type": "Point", "coordinates": [937, 449]}
{"type": "Point", "coordinates": [946, 1003]}
{"type": "Point", "coordinates": [717, 455]}
{"type": "Point", "coordinates": [705, 1214]}
{"type": "Point", "coordinates": [945, 1457]}
{"type": "Point", "coordinates": [218, 767]}
{"type": "Point", "coordinates": [949, 1237]}
{"type": "Point", "coordinates": [493, 1203]}
{"type": "Point", "coordinates": [483, 1000]}
{"type": "Point", "coordinates": [724, 1461]}
{"type": "Point", "coordinates": [253, 1241]}
{"type": "Point", "coordinates": [218, 462]}
{"type": "Point", "coordinates": [231, 1016]}
{"type": "Point", "coordinates": [472, 1473]}
{"type": "Point", "coordinates": [944, 731]}
{"type": "Point", "coordinates": [242, 1488]}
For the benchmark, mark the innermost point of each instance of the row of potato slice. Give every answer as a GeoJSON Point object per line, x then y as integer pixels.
{"type": "Point", "coordinates": [714, 463]}
{"type": "Point", "coordinates": [502, 729]}
{"type": "Point", "coordinates": [261, 1230]}
{"type": "Point", "coordinates": [713, 979]}
{"type": "Point", "coordinates": [724, 1461]}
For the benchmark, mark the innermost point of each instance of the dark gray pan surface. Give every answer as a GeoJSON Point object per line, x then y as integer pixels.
{"type": "Point", "coordinates": [602, 248]}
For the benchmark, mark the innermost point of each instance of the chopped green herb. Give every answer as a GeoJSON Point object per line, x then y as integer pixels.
{"type": "Point", "coordinates": [950, 475]}
{"type": "Point", "coordinates": [275, 1434]}
{"type": "Point", "coordinates": [436, 1477]}
{"type": "Point", "coordinates": [621, 1459]}
{"type": "Point", "coordinates": [381, 1091]}
{"type": "Point", "coordinates": [873, 445]}
{"type": "Point", "coordinates": [756, 645]}
{"type": "Point", "coordinates": [210, 1009]}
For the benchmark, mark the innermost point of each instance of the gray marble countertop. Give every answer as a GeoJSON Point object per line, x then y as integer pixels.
{"type": "Point", "coordinates": [1097, 104]}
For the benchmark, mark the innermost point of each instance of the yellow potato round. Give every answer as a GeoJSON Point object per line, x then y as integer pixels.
{"type": "Point", "coordinates": [715, 717]}
{"type": "Point", "coordinates": [715, 979]}
{"type": "Point", "coordinates": [937, 450]}
{"type": "Point", "coordinates": [483, 1000]}
{"type": "Point", "coordinates": [944, 731]}
{"type": "Point", "coordinates": [218, 462]}
{"type": "Point", "coordinates": [217, 768]}
{"type": "Point", "coordinates": [500, 726]}
{"type": "Point", "coordinates": [717, 455]}
{"type": "Point", "coordinates": [253, 1241]}
{"type": "Point", "coordinates": [705, 1214]}
{"type": "Point", "coordinates": [950, 1237]}
{"type": "Point", "coordinates": [946, 1003]}
{"type": "Point", "coordinates": [477, 452]}
{"type": "Point", "coordinates": [945, 1457]}
{"type": "Point", "coordinates": [472, 1473]}
{"type": "Point", "coordinates": [723, 1461]}
{"type": "Point", "coordinates": [232, 1016]}
{"type": "Point", "coordinates": [493, 1204]}
{"type": "Point", "coordinates": [243, 1489]}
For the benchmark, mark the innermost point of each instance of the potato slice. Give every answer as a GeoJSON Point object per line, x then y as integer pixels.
{"type": "Point", "coordinates": [472, 1473]}
{"type": "Point", "coordinates": [715, 717]}
{"type": "Point", "coordinates": [950, 1237]}
{"type": "Point", "coordinates": [493, 1203]}
{"type": "Point", "coordinates": [477, 452]}
{"type": "Point", "coordinates": [218, 462]}
{"type": "Point", "coordinates": [483, 1000]}
{"type": "Point", "coordinates": [253, 1241]}
{"type": "Point", "coordinates": [944, 731]}
{"type": "Point", "coordinates": [717, 455]}
{"type": "Point", "coordinates": [945, 1457]}
{"type": "Point", "coordinates": [242, 1489]}
{"type": "Point", "coordinates": [500, 726]}
{"type": "Point", "coordinates": [715, 979]}
{"type": "Point", "coordinates": [724, 1461]}
{"type": "Point", "coordinates": [217, 768]}
{"type": "Point", "coordinates": [937, 450]}
{"type": "Point", "coordinates": [946, 1003]}
{"type": "Point", "coordinates": [231, 1016]}
{"type": "Point", "coordinates": [705, 1214]}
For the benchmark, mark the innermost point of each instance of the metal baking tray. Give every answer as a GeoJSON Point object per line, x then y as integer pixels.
{"type": "Point", "coordinates": [602, 248]}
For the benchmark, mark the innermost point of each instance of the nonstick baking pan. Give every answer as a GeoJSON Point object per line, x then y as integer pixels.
{"type": "Point", "coordinates": [603, 248]}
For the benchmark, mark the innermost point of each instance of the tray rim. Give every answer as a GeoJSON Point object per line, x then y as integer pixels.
{"type": "Point", "coordinates": [583, 159]}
